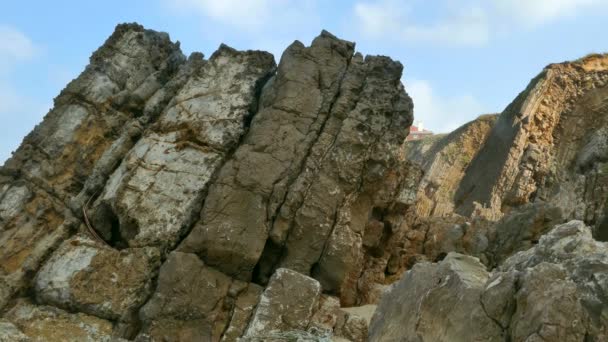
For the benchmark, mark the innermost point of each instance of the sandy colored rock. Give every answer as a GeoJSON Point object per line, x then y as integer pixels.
{"type": "Point", "coordinates": [49, 324]}
{"type": "Point", "coordinates": [56, 158]}
{"type": "Point", "coordinates": [84, 276]}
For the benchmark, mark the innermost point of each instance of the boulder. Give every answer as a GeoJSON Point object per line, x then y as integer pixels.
{"type": "Point", "coordinates": [554, 291]}
{"type": "Point", "coordinates": [288, 303]}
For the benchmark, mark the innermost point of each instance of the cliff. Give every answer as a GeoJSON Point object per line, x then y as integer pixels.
{"type": "Point", "coordinates": [506, 244]}
{"type": "Point", "coordinates": [172, 198]}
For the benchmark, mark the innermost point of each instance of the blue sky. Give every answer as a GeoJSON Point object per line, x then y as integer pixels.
{"type": "Point", "coordinates": [462, 58]}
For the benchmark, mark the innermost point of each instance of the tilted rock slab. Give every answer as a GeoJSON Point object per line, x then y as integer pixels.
{"type": "Point", "coordinates": [300, 188]}
{"type": "Point", "coordinates": [267, 179]}
{"type": "Point", "coordinates": [46, 323]}
{"type": "Point", "coordinates": [158, 189]}
{"type": "Point", "coordinates": [55, 160]}
{"type": "Point", "coordinates": [546, 145]}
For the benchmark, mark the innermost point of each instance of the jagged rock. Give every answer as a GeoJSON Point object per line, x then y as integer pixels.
{"type": "Point", "coordinates": [554, 291]}
{"type": "Point", "coordinates": [81, 275]}
{"type": "Point", "coordinates": [444, 160]}
{"type": "Point", "coordinates": [46, 323]}
{"type": "Point", "coordinates": [286, 304]}
{"type": "Point", "coordinates": [544, 146]}
{"type": "Point", "coordinates": [189, 303]}
{"type": "Point", "coordinates": [297, 191]}
{"type": "Point", "coordinates": [242, 312]}
{"type": "Point", "coordinates": [10, 333]}
{"type": "Point", "coordinates": [157, 191]}
{"type": "Point", "coordinates": [436, 302]}
{"type": "Point", "coordinates": [56, 158]}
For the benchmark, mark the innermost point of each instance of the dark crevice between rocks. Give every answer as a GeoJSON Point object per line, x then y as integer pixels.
{"type": "Point", "coordinates": [271, 256]}
{"type": "Point", "coordinates": [601, 232]}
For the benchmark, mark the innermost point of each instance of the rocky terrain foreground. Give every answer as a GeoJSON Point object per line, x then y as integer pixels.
{"type": "Point", "coordinates": [228, 198]}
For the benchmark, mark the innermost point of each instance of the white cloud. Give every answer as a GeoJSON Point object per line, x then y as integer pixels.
{"type": "Point", "coordinates": [537, 12]}
{"type": "Point", "coordinates": [393, 20]}
{"type": "Point", "coordinates": [463, 22]}
{"type": "Point", "coordinates": [250, 15]}
{"type": "Point", "coordinates": [15, 47]}
{"type": "Point", "coordinates": [438, 113]}
{"type": "Point", "coordinates": [18, 113]}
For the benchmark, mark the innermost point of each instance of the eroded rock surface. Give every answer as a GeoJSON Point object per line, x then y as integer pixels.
{"type": "Point", "coordinates": [272, 183]}
{"type": "Point", "coordinates": [554, 291]}
{"type": "Point", "coordinates": [101, 281]}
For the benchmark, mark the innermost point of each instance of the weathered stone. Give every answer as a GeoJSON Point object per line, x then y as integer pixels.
{"type": "Point", "coordinates": [188, 303]}
{"type": "Point", "coordinates": [84, 276]}
{"type": "Point", "coordinates": [554, 291]}
{"type": "Point", "coordinates": [32, 224]}
{"type": "Point", "coordinates": [437, 302]}
{"type": "Point", "coordinates": [49, 324]}
{"type": "Point", "coordinates": [444, 160]}
{"type": "Point", "coordinates": [285, 198]}
{"type": "Point", "coordinates": [158, 190]}
{"type": "Point", "coordinates": [10, 333]}
{"type": "Point", "coordinates": [326, 315]}
{"type": "Point", "coordinates": [287, 304]}
{"type": "Point", "coordinates": [533, 150]}
{"type": "Point", "coordinates": [55, 159]}
{"type": "Point", "coordinates": [242, 312]}
{"type": "Point", "coordinates": [351, 326]}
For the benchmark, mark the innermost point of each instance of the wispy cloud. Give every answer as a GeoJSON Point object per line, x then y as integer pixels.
{"type": "Point", "coordinates": [441, 113]}
{"type": "Point", "coordinates": [17, 111]}
{"type": "Point", "coordinates": [251, 16]}
{"type": "Point", "coordinates": [390, 19]}
{"type": "Point", "coordinates": [15, 47]}
{"type": "Point", "coordinates": [537, 12]}
{"type": "Point", "coordinates": [461, 23]}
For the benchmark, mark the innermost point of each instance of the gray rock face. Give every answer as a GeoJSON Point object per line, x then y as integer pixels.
{"type": "Point", "coordinates": [10, 333]}
{"type": "Point", "coordinates": [188, 302]}
{"type": "Point", "coordinates": [300, 188]}
{"type": "Point", "coordinates": [436, 302]}
{"type": "Point", "coordinates": [157, 191]}
{"type": "Point", "coordinates": [554, 291]}
{"type": "Point", "coordinates": [288, 303]}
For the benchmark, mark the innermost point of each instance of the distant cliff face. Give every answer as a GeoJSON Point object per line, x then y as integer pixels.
{"type": "Point", "coordinates": [190, 199]}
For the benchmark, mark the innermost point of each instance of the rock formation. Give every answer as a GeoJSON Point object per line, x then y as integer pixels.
{"type": "Point", "coordinates": [167, 198]}
{"type": "Point", "coordinates": [172, 198]}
